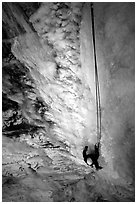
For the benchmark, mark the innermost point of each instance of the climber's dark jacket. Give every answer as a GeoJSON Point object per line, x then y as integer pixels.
{"type": "Point", "coordinates": [93, 155]}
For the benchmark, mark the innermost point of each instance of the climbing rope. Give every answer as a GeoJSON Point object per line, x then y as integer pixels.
{"type": "Point", "coordinates": [98, 103]}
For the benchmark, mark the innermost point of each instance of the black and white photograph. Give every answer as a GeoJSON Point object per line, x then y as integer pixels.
{"type": "Point", "coordinates": [68, 101]}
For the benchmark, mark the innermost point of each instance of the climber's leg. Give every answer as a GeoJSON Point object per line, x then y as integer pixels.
{"type": "Point", "coordinates": [97, 165]}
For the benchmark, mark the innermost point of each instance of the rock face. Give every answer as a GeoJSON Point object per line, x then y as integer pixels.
{"type": "Point", "coordinates": [49, 107]}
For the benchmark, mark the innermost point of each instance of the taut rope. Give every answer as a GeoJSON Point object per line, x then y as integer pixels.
{"type": "Point", "coordinates": [98, 104]}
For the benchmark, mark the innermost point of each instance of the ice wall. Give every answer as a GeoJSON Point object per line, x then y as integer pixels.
{"type": "Point", "coordinates": [59, 56]}
{"type": "Point", "coordinates": [115, 55]}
